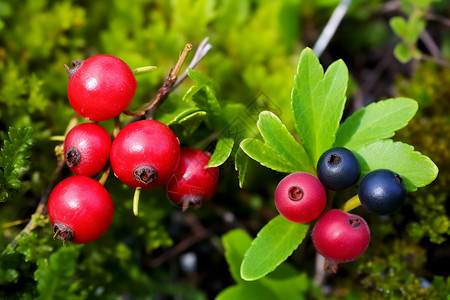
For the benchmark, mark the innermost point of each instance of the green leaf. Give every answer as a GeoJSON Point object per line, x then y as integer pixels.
{"type": "Point", "coordinates": [398, 25]}
{"type": "Point", "coordinates": [417, 170]}
{"type": "Point", "coordinates": [236, 243]}
{"type": "Point", "coordinates": [241, 164]}
{"type": "Point", "coordinates": [174, 116]}
{"type": "Point", "coordinates": [403, 53]}
{"type": "Point", "coordinates": [191, 122]}
{"type": "Point", "coordinates": [32, 248]}
{"type": "Point", "coordinates": [202, 93]}
{"type": "Point", "coordinates": [14, 160]}
{"type": "Point", "coordinates": [274, 243]}
{"type": "Point", "coordinates": [283, 283]}
{"type": "Point", "coordinates": [318, 102]}
{"type": "Point", "coordinates": [416, 26]}
{"type": "Point", "coordinates": [246, 292]}
{"type": "Point", "coordinates": [56, 278]}
{"type": "Point", "coordinates": [288, 283]}
{"type": "Point", "coordinates": [221, 153]}
{"type": "Point", "coordinates": [374, 122]}
{"type": "Point", "coordinates": [200, 78]}
{"type": "Point", "coordinates": [280, 152]}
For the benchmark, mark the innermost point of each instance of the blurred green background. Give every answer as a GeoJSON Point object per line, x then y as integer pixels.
{"type": "Point", "coordinates": [256, 45]}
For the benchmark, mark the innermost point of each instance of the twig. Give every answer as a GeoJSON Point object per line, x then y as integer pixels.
{"type": "Point", "coordinates": [14, 223]}
{"type": "Point", "coordinates": [172, 81]}
{"type": "Point", "coordinates": [431, 45]}
{"type": "Point", "coordinates": [330, 28]}
{"type": "Point", "coordinates": [201, 51]}
{"type": "Point", "coordinates": [438, 61]}
{"type": "Point", "coordinates": [443, 20]}
{"type": "Point", "coordinates": [40, 209]}
{"type": "Point", "coordinates": [319, 273]}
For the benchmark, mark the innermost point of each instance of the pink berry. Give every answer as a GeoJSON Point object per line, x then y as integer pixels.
{"type": "Point", "coordinates": [80, 209]}
{"type": "Point", "coordinates": [86, 149]}
{"type": "Point", "coordinates": [300, 197]}
{"type": "Point", "coordinates": [340, 236]}
{"type": "Point", "coordinates": [145, 154]}
{"type": "Point", "coordinates": [100, 87]}
{"type": "Point", "coordinates": [192, 181]}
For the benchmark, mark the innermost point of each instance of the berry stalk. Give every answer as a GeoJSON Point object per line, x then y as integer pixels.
{"type": "Point", "coordinates": [351, 204]}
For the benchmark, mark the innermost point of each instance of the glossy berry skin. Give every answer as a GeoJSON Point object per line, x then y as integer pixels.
{"type": "Point", "coordinates": [145, 154]}
{"type": "Point", "coordinates": [100, 87]}
{"type": "Point", "coordinates": [338, 168]}
{"type": "Point", "coordinates": [300, 197]}
{"type": "Point", "coordinates": [86, 149]}
{"type": "Point", "coordinates": [340, 236]}
{"type": "Point", "coordinates": [382, 191]}
{"type": "Point", "coordinates": [192, 182]}
{"type": "Point", "coordinates": [80, 209]}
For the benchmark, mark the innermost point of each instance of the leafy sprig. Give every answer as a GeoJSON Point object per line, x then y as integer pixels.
{"type": "Point", "coordinates": [318, 100]}
{"type": "Point", "coordinates": [14, 160]}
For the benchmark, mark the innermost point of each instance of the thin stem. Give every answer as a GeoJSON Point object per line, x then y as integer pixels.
{"type": "Point", "coordinates": [116, 129]}
{"type": "Point", "coordinates": [201, 51]}
{"type": "Point", "coordinates": [351, 203]}
{"type": "Point", "coordinates": [438, 61]}
{"type": "Point", "coordinates": [72, 123]}
{"type": "Point", "coordinates": [176, 70]}
{"type": "Point", "coordinates": [58, 138]}
{"type": "Point", "coordinates": [105, 175]}
{"type": "Point", "coordinates": [143, 70]}
{"type": "Point", "coordinates": [431, 45]}
{"type": "Point", "coordinates": [166, 87]}
{"type": "Point", "coordinates": [14, 223]}
{"type": "Point", "coordinates": [330, 28]}
{"type": "Point", "coordinates": [137, 194]}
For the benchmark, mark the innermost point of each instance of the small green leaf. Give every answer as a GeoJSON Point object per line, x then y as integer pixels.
{"type": "Point", "coordinates": [221, 152]}
{"type": "Point", "coordinates": [173, 117]}
{"type": "Point", "coordinates": [280, 152]}
{"type": "Point", "coordinates": [202, 93]}
{"type": "Point", "coordinates": [246, 292]}
{"type": "Point", "coordinates": [56, 278]}
{"type": "Point", "coordinates": [200, 78]}
{"type": "Point", "coordinates": [266, 156]}
{"type": "Point", "coordinates": [236, 243]}
{"type": "Point", "coordinates": [417, 170]}
{"type": "Point", "coordinates": [398, 25]}
{"type": "Point", "coordinates": [415, 26]}
{"type": "Point", "coordinates": [14, 160]}
{"type": "Point", "coordinates": [374, 122]}
{"type": "Point", "coordinates": [191, 122]}
{"type": "Point", "coordinates": [403, 53]}
{"type": "Point", "coordinates": [241, 164]}
{"type": "Point", "coordinates": [274, 243]}
{"type": "Point", "coordinates": [32, 248]}
{"type": "Point", "coordinates": [318, 102]}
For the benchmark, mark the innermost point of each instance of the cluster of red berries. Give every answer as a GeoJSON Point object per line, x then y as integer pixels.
{"type": "Point", "coordinates": [338, 235]}
{"type": "Point", "coordinates": [145, 154]}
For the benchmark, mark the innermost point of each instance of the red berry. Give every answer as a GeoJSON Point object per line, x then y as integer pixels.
{"type": "Point", "coordinates": [300, 197]}
{"type": "Point", "coordinates": [100, 87]}
{"type": "Point", "coordinates": [80, 209]}
{"type": "Point", "coordinates": [145, 154]}
{"type": "Point", "coordinates": [86, 149]}
{"type": "Point", "coordinates": [340, 236]}
{"type": "Point", "coordinates": [192, 182]}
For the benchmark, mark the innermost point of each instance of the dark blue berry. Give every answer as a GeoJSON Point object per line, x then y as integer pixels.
{"type": "Point", "coordinates": [382, 191]}
{"type": "Point", "coordinates": [338, 168]}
